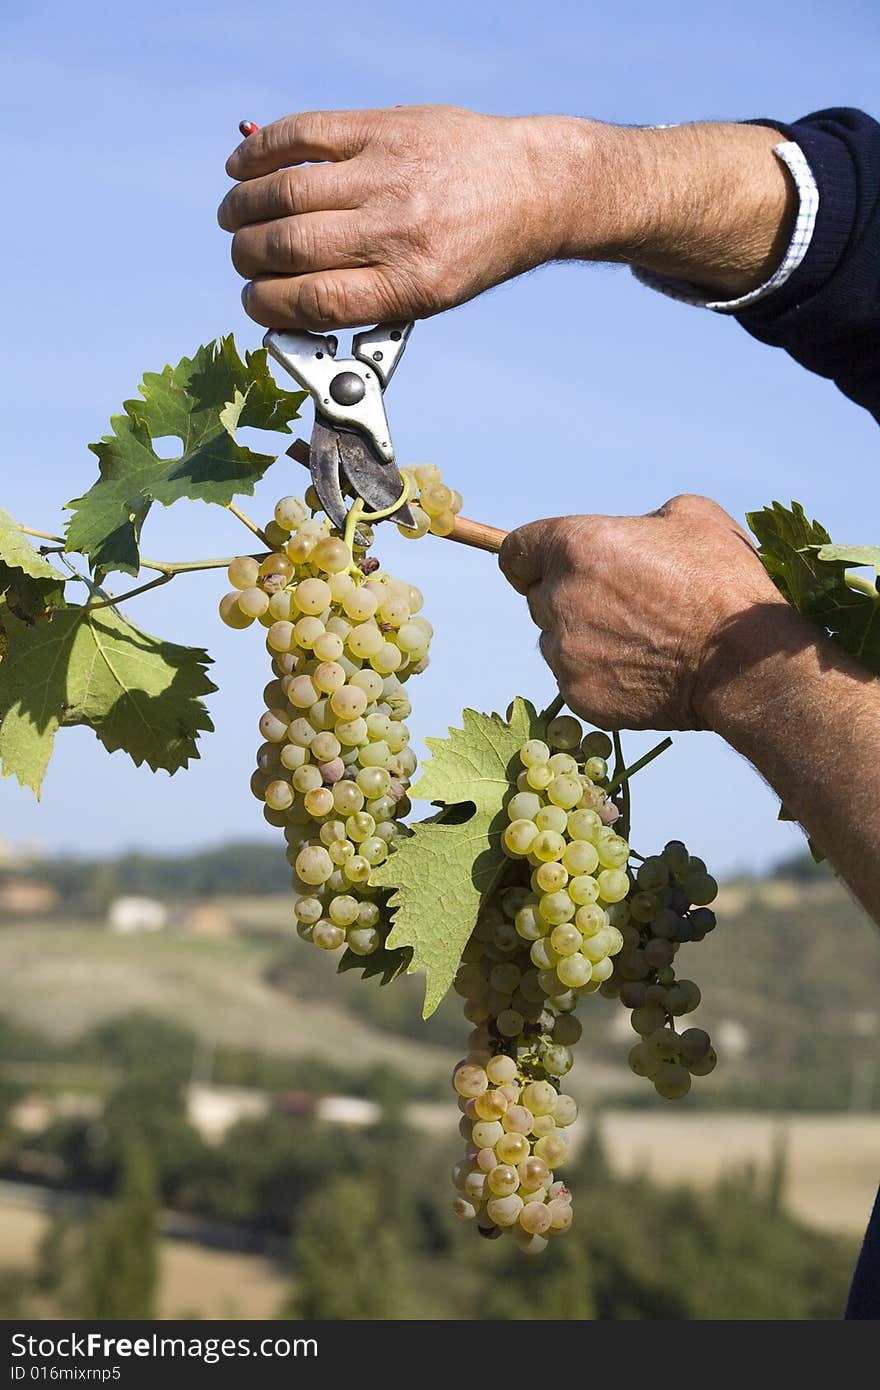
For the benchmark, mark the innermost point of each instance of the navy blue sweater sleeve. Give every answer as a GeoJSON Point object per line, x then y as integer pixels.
{"type": "Point", "coordinates": [827, 314]}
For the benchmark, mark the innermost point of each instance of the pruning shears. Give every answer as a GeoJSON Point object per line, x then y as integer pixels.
{"type": "Point", "coordinates": [351, 446]}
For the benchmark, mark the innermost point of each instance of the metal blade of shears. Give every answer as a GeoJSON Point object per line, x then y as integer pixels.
{"type": "Point", "coordinates": [378, 483]}
{"type": "Point", "coordinates": [324, 466]}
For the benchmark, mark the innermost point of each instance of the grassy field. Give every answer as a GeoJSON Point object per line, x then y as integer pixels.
{"type": "Point", "coordinates": [60, 981]}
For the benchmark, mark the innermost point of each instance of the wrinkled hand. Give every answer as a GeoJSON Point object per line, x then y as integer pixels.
{"type": "Point", "coordinates": [343, 218]}
{"type": "Point", "coordinates": [634, 611]}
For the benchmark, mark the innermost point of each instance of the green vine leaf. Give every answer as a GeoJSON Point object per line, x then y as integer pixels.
{"type": "Point", "coordinates": [31, 586]}
{"type": "Point", "coordinates": [444, 872]}
{"type": "Point", "coordinates": [137, 692]}
{"type": "Point", "coordinates": [811, 573]}
{"type": "Point", "coordinates": [852, 554]}
{"type": "Point", "coordinates": [201, 402]}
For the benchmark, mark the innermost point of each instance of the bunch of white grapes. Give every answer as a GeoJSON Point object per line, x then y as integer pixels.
{"type": "Point", "coordinates": [335, 764]}
{"type": "Point", "coordinates": [547, 939]}
{"type": "Point", "coordinates": [514, 1129]}
{"type": "Point", "coordinates": [668, 906]}
{"type": "Point", "coordinates": [434, 505]}
{"type": "Point", "coordinates": [572, 917]}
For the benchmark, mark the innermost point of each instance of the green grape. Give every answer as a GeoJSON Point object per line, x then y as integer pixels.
{"type": "Point", "coordinates": [308, 910]}
{"type": "Point", "coordinates": [530, 925]}
{"type": "Point", "coordinates": [643, 1060]}
{"type": "Point", "coordinates": [533, 1173]}
{"type": "Point", "coordinates": [510, 1023]}
{"type": "Point", "coordinates": [671, 1081]}
{"type": "Point", "coordinates": [491, 1105]}
{"type": "Point", "coordinates": [519, 836]}
{"type": "Point", "coordinates": [613, 885]}
{"type": "Point", "coordinates": [567, 1030]}
{"type": "Point", "coordinates": [327, 936]}
{"type": "Point", "coordinates": [540, 1097]}
{"type": "Point", "coordinates": [557, 1059]}
{"type": "Point", "coordinates": [652, 873]}
{"type": "Point", "coordinates": [694, 1045]}
{"type": "Point", "coordinates": [551, 818]}
{"type": "Point", "coordinates": [314, 865]}
{"type": "Point", "coordinates": [565, 939]}
{"type": "Point", "coordinates": [565, 792]}
{"type": "Point", "coordinates": [464, 1209]}
{"type": "Point", "coordinates": [584, 824]}
{"type": "Point", "coordinates": [552, 1148]}
{"type": "Point", "coordinates": [518, 1120]}
{"type": "Point", "coordinates": [665, 1043]}
{"type": "Point", "coordinates": [705, 1065]}
{"type": "Point", "coordinates": [583, 890]}
{"type": "Point", "coordinates": [575, 971]}
{"type": "Point", "coordinates": [539, 777]}
{"type": "Point", "coordinates": [503, 1180]}
{"type": "Point", "coordinates": [504, 1211]}
{"type": "Point", "coordinates": [647, 1019]}
{"type": "Point", "coordinates": [564, 732]}
{"type": "Point", "coordinates": [557, 907]}
{"type": "Point", "coordinates": [363, 940]}
{"type": "Point", "coordinates": [470, 1081]}
{"type": "Point", "coordinates": [343, 910]}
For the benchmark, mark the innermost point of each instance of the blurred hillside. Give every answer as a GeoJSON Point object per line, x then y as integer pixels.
{"type": "Point", "coordinates": [180, 1074]}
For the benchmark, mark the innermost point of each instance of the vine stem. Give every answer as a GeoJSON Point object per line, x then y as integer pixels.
{"type": "Point", "coordinates": [166, 567]}
{"type": "Point", "coordinates": [862, 585]}
{"type": "Point", "coordinates": [621, 778]}
{"type": "Point", "coordinates": [131, 593]}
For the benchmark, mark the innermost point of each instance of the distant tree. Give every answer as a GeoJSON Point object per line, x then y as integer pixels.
{"type": "Point", "coordinates": [122, 1258]}
{"type": "Point", "coordinates": [348, 1261]}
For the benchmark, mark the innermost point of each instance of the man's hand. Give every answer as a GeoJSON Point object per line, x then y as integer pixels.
{"type": "Point", "coordinates": [411, 211]}
{"type": "Point", "coordinates": [343, 218]}
{"type": "Point", "coordinates": [635, 611]}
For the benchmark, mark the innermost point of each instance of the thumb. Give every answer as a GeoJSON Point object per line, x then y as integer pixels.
{"type": "Point", "coordinates": [526, 553]}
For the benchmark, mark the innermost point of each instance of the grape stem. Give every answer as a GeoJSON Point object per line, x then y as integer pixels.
{"type": "Point", "coordinates": [246, 521]}
{"type": "Point", "coordinates": [625, 810]}
{"type": "Point", "coordinates": [552, 709]}
{"type": "Point", "coordinates": [621, 778]}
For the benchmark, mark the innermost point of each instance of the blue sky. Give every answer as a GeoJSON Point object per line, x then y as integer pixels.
{"type": "Point", "coordinates": [117, 120]}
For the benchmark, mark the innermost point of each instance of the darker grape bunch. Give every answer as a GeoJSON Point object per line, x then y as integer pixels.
{"type": "Point", "coordinates": [668, 906]}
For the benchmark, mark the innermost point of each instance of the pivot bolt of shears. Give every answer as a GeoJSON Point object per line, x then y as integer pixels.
{"type": "Point", "coordinates": [346, 388]}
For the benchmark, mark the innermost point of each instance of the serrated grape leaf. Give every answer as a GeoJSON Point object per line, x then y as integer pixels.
{"type": "Point", "coordinates": [442, 874]}
{"type": "Point", "coordinates": [137, 692]}
{"type": "Point", "coordinates": [31, 586]}
{"type": "Point", "coordinates": [791, 548]}
{"type": "Point", "coordinates": [852, 554]}
{"type": "Point", "coordinates": [202, 402]}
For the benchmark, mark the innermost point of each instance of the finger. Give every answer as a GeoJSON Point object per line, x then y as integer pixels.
{"type": "Point", "coordinates": [525, 553]}
{"type": "Point", "coordinates": [322, 300]}
{"type": "Point", "coordinates": [288, 192]}
{"type": "Point", "coordinates": [298, 245]}
{"type": "Point", "coordinates": [307, 135]}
